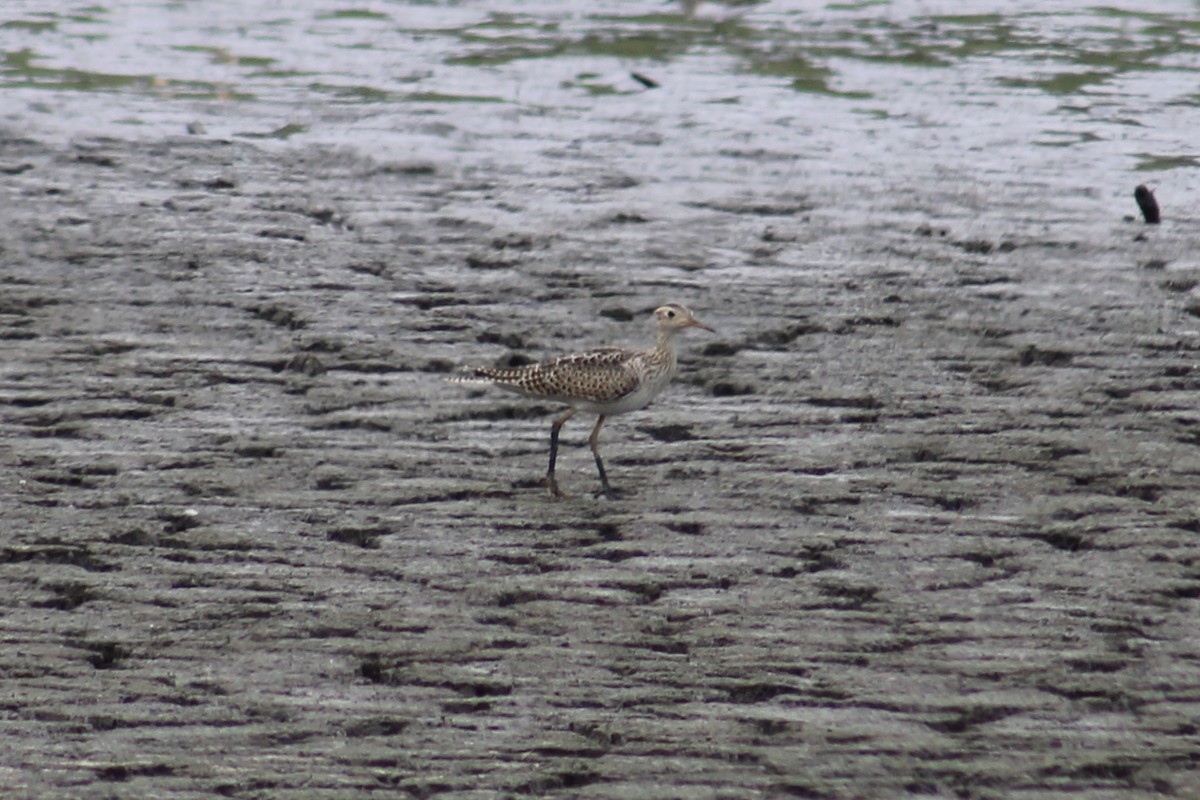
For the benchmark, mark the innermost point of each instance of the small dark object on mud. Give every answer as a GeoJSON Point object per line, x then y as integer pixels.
{"type": "Point", "coordinates": [305, 363]}
{"type": "Point", "coordinates": [649, 83]}
{"type": "Point", "coordinates": [1148, 205]}
{"type": "Point", "coordinates": [489, 262]}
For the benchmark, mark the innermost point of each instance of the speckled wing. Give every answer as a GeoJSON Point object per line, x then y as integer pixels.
{"type": "Point", "coordinates": [600, 375]}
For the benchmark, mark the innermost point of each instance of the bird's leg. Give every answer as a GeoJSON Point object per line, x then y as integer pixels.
{"type": "Point", "coordinates": [594, 441]}
{"type": "Point", "coordinates": [554, 429]}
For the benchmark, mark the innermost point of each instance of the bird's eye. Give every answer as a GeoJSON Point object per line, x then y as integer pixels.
{"type": "Point", "coordinates": [670, 314]}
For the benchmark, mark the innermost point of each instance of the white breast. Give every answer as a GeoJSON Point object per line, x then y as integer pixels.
{"type": "Point", "coordinates": [649, 387]}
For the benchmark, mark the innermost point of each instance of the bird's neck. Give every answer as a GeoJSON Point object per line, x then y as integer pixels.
{"type": "Point", "coordinates": [664, 348]}
{"type": "Point", "coordinates": [665, 341]}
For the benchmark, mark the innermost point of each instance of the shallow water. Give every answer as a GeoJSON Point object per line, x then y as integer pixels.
{"type": "Point", "coordinates": [987, 97]}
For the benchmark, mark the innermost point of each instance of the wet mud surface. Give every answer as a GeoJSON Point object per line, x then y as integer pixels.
{"type": "Point", "coordinates": [921, 519]}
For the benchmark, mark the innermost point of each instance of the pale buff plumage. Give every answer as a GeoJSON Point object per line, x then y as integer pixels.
{"type": "Point", "coordinates": [605, 381]}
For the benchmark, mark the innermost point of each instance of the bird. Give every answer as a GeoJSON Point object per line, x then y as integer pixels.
{"type": "Point", "coordinates": [605, 381]}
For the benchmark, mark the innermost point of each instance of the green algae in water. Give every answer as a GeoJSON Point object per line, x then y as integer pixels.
{"type": "Point", "coordinates": [507, 54]}
{"type": "Point", "coordinates": [594, 89]}
{"type": "Point", "coordinates": [914, 57]}
{"type": "Point", "coordinates": [438, 97]}
{"type": "Point", "coordinates": [1062, 83]}
{"type": "Point", "coordinates": [796, 67]}
{"type": "Point", "coordinates": [33, 26]}
{"type": "Point", "coordinates": [281, 74]}
{"type": "Point", "coordinates": [859, 6]}
{"type": "Point", "coordinates": [806, 76]}
{"type": "Point", "coordinates": [504, 22]}
{"type": "Point", "coordinates": [642, 45]}
{"type": "Point", "coordinates": [221, 55]}
{"type": "Point", "coordinates": [1065, 139]}
{"type": "Point", "coordinates": [355, 13]}
{"type": "Point", "coordinates": [362, 94]}
{"type": "Point", "coordinates": [17, 69]}
{"type": "Point", "coordinates": [1148, 162]}
{"type": "Point", "coordinates": [969, 19]}
{"type": "Point", "coordinates": [636, 46]}
{"type": "Point", "coordinates": [282, 132]}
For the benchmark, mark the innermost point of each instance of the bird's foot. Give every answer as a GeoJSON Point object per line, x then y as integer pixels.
{"type": "Point", "coordinates": [614, 494]}
{"type": "Point", "coordinates": [552, 485]}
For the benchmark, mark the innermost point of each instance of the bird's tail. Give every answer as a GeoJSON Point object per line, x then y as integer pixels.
{"type": "Point", "coordinates": [476, 376]}
{"type": "Point", "coordinates": [492, 375]}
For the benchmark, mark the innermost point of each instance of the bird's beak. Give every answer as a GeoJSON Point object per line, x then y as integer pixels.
{"type": "Point", "coordinates": [698, 324]}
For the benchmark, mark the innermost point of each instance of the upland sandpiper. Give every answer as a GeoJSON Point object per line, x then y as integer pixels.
{"type": "Point", "coordinates": [606, 381]}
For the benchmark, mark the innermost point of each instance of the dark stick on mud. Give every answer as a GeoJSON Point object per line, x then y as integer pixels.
{"type": "Point", "coordinates": [1148, 205]}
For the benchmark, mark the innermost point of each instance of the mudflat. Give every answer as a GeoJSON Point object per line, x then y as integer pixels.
{"type": "Point", "coordinates": [920, 519]}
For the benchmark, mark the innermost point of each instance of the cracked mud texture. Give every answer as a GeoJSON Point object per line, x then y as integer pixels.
{"type": "Point", "coordinates": [921, 519]}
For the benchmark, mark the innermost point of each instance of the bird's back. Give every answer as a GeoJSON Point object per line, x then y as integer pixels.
{"type": "Point", "coordinates": [597, 376]}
